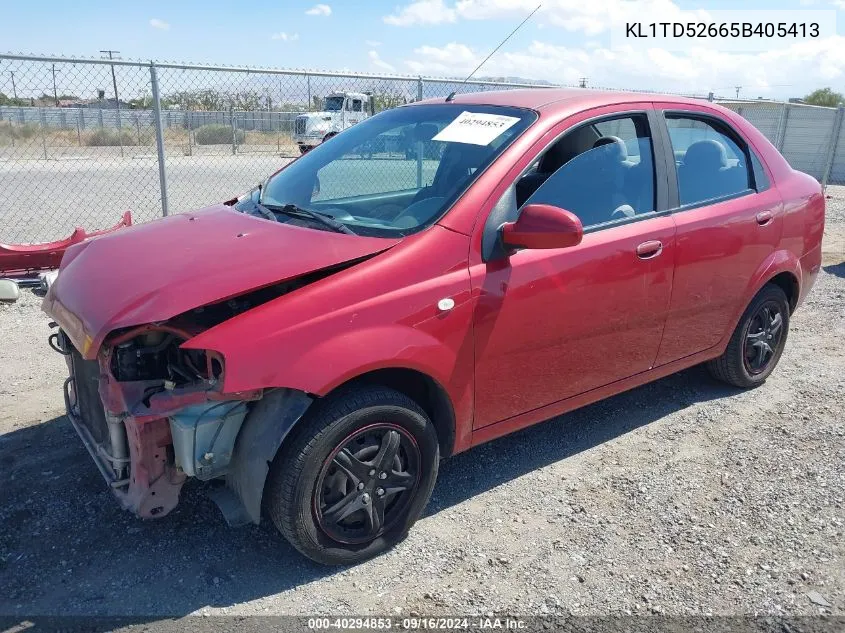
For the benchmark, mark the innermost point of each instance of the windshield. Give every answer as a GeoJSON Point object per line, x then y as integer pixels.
{"type": "Point", "coordinates": [398, 172]}
{"type": "Point", "coordinates": [333, 103]}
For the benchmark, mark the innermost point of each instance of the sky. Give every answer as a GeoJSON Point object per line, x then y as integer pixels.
{"type": "Point", "coordinates": [565, 41]}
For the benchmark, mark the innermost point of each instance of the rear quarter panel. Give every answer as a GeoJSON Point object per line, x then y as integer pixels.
{"type": "Point", "coordinates": [803, 225]}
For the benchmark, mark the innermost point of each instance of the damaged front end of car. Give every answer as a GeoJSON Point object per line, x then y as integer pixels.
{"type": "Point", "coordinates": [151, 410]}
{"type": "Point", "coordinates": [152, 414]}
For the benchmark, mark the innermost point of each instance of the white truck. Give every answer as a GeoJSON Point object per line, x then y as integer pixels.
{"type": "Point", "coordinates": [340, 111]}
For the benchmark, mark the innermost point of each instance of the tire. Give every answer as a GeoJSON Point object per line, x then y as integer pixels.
{"type": "Point", "coordinates": [734, 366]}
{"type": "Point", "coordinates": [307, 484]}
{"type": "Point", "coordinates": [303, 149]}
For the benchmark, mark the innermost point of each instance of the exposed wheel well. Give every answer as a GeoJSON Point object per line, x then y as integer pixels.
{"type": "Point", "coordinates": [789, 284]}
{"type": "Point", "coordinates": [423, 390]}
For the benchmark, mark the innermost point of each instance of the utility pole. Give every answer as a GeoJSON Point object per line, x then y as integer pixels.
{"type": "Point", "coordinates": [738, 88]}
{"type": "Point", "coordinates": [55, 92]}
{"type": "Point", "coordinates": [14, 89]}
{"type": "Point", "coordinates": [582, 83]}
{"type": "Point", "coordinates": [111, 53]}
{"type": "Point", "coordinates": [308, 81]}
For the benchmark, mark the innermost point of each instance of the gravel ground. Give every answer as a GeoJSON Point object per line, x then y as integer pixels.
{"type": "Point", "coordinates": [680, 497]}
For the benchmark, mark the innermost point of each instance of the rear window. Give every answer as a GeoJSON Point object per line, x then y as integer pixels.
{"type": "Point", "coordinates": [710, 165]}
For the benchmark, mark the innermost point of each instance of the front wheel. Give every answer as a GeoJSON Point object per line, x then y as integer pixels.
{"type": "Point", "coordinates": [757, 342]}
{"type": "Point", "coordinates": [354, 477]}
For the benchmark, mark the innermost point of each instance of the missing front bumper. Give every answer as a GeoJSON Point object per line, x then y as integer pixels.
{"type": "Point", "coordinates": [134, 457]}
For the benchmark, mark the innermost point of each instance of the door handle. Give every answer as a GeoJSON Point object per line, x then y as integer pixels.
{"type": "Point", "coordinates": [650, 249]}
{"type": "Point", "coordinates": [764, 218]}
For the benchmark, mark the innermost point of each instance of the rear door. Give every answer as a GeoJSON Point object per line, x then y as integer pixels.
{"type": "Point", "coordinates": [728, 219]}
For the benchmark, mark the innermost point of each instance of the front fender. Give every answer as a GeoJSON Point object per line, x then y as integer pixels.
{"type": "Point", "coordinates": [341, 358]}
{"type": "Point", "coordinates": [329, 351]}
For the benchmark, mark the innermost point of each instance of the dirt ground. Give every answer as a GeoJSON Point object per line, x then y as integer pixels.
{"type": "Point", "coordinates": [680, 497]}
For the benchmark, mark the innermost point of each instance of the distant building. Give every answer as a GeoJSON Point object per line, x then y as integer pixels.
{"type": "Point", "coordinates": [105, 104]}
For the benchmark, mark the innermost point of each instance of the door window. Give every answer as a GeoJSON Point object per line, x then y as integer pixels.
{"type": "Point", "coordinates": [356, 105]}
{"type": "Point", "coordinates": [602, 172]}
{"type": "Point", "coordinates": [709, 163]}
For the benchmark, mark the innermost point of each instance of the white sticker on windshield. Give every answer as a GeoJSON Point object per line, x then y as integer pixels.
{"type": "Point", "coordinates": [475, 128]}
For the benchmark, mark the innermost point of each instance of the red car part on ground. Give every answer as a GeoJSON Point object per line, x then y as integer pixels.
{"type": "Point", "coordinates": [25, 261]}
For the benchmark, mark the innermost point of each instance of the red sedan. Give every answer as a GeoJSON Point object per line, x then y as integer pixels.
{"type": "Point", "coordinates": [437, 276]}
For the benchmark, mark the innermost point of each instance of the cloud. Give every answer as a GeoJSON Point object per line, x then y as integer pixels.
{"type": "Point", "coordinates": [159, 24]}
{"type": "Point", "coordinates": [372, 43]}
{"type": "Point", "coordinates": [378, 62]}
{"type": "Point", "coordinates": [793, 71]}
{"type": "Point", "coordinates": [591, 18]}
{"type": "Point", "coordinates": [319, 9]}
{"type": "Point", "coordinates": [285, 37]}
{"type": "Point", "coordinates": [422, 12]}
{"type": "Point", "coordinates": [450, 59]}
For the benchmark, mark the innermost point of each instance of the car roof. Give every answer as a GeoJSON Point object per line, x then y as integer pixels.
{"type": "Point", "coordinates": [553, 99]}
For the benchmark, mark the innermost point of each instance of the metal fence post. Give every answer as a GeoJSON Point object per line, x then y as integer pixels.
{"type": "Point", "coordinates": [162, 171]}
{"type": "Point", "coordinates": [190, 129]}
{"type": "Point", "coordinates": [419, 143]}
{"type": "Point", "coordinates": [79, 126]}
{"type": "Point", "coordinates": [42, 121]}
{"type": "Point", "coordinates": [234, 130]}
{"type": "Point", "coordinates": [781, 133]}
{"type": "Point", "coordinates": [834, 141]}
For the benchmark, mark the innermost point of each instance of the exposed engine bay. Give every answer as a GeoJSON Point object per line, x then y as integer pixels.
{"type": "Point", "coordinates": [150, 405]}
{"type": "Point", "coordinates": [151, 413]}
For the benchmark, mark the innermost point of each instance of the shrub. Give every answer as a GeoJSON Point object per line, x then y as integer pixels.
{"type": "Point", "coordinates": [110, 138]}
{"type": "Point", "coordinates": [215, 134]}
{"type": "Point", "coordinates": [26, 131]}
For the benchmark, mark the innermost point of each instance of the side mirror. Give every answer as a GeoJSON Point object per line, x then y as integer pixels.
{"type": "Point", "coordinates": [543, 226]}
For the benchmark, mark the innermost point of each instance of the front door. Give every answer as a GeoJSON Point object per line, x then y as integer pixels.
{"type": "Point", "coordinates": [551, 324]}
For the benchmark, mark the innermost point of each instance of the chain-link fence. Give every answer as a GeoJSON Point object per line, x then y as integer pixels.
{"type": "Point", "coordinates": [82, 140]}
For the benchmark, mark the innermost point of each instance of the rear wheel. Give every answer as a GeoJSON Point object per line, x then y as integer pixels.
{"type": "Point", "coordinates": [355, 476]}
{"type": "Point", "coordinates": [757, 342]}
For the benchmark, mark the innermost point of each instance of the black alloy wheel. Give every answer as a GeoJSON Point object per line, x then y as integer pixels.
{"type": "Point", "coordinates": [366, 483]}
{"type": "Point", "coordinates": [757, 342]}
{"type": "Point", "coordinates": [765, 330]}
{"type": "Point", "coordinates": [354, 475]}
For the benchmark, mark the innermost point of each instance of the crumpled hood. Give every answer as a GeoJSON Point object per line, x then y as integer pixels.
{"type": "Point", "coordinates": [153, 272]}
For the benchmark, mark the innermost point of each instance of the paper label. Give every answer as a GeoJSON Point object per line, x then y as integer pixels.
{"type": "Point", "coordinates": [475, 128]}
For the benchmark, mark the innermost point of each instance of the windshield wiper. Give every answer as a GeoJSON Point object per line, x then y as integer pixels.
{"type": "Point", "coordinates": [323, 218]}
